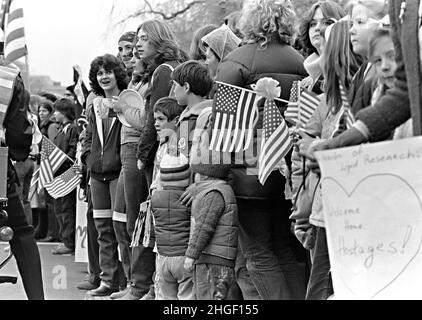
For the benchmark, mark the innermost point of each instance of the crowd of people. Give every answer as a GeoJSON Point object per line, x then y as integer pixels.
{"type": "Point", "coordinates": [168, 219]}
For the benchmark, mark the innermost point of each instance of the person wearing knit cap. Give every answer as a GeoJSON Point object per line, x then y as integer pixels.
{"type": "Point", "coordinates": [219, 43]}
{"type": "Point", "coordinates": [172, 229]}
{"type": "Point", "coordinates": [125, 44]}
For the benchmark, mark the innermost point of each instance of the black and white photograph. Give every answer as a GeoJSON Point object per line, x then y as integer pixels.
{"type": "Point", "coordinates": [209, 156]}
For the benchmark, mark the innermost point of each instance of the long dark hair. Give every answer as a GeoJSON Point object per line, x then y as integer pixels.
{"type": "Point", "coordinates": [340, 64]}
{"type": "Point", "coordinates": [329, 9]}
{"type": "Point", "coordinates": [109, 63]}
{"type": "Point", "coordinates": [162, 38]}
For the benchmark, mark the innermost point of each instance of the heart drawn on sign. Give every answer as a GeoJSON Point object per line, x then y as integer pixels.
{"type": "Point", "coordinates": [374, 232]}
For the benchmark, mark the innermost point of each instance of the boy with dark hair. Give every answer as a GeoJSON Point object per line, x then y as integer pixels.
{"type": "Point", "coordinates": [193, 83]}
{"type": "Point", "coordinates": [171, 218]}
{"type": "Point", "coordinates": [65, 208]}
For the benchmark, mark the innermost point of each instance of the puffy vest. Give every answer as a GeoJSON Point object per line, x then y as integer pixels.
{"type": "Point", "coordinates": [172, 222]}
{"type": "Point", "coordinates": [225, 240]}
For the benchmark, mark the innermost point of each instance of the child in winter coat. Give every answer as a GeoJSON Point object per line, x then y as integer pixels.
{"type": "Point", "coordinates": [212, 250]}
{"type": "Point", "coordinates": [171, 219]}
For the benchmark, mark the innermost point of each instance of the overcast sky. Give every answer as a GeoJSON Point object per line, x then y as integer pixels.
{"type": "Point", "coordinates": [62, 33]}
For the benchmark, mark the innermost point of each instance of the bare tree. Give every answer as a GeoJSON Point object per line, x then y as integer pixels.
{"type": "Point", "coordinates": [184, 16]}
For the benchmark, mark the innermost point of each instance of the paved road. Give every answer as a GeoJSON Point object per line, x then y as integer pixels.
{"type": "Point", "coordinates": [60, 276]}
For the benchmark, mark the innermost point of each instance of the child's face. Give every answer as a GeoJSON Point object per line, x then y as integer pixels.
{"type": "Point", "coordinates": [384, 60]}
{"type": "Point", "coordinates": [181, 93]}
{"type": "Point", "coordinates": [361, 29]}
{"type": "Point", "coordinates": [164, 127]}
{"type": "Point", "coordinates": [59, 116]}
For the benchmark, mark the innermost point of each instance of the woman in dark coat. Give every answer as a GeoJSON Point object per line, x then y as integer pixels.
{"type": "Point", "coordinates": [263, 210]}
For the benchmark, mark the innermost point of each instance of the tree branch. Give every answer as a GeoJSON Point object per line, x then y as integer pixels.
{"type": "Point", "coordinates": [150, 10]}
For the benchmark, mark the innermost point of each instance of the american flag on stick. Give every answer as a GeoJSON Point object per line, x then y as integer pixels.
{"type": "Point", "coordinates": [302, 105]}
{"type": "Point", "coordinates": [51, 160]}
{"type": "Point", "coordinates": [235, 114]}
{"type": "Point", "coordinates": [346, 118]}
{"type": "Point", "coordinates": [276, 141]}
{"type": "Point", "coordinates": [64, 184]}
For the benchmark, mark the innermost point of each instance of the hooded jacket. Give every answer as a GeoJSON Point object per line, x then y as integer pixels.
{"type": "Point", "coordinates": [222, 41]}
{"type": "Point", "coordinates": [102, 154]}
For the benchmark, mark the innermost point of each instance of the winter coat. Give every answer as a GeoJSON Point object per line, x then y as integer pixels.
{"type": "Point", "coordinates": [67, 141]}
{"type": "Point", "coordinates": [181, 142]}
{"type": "Point", "coordinates": [214, 229]}
{"type": "Point", "coordinates": [244, 67]}
{"type": "Point", "coordinates": [102, 155]}
{"type": "Point", "coordinates": [172, 222]}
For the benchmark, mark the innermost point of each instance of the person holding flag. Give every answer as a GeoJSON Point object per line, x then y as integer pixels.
{"type": "Point", "coordinates": [264, 224]}
{"type": "Point", "coordinates": [324, 123]}
{"type": "Point", "coordinates": [65, 206]}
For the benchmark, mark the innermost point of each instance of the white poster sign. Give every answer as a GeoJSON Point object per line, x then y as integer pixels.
{"type": "Point", "coordinates": [373, 214]}
{"type": "Point", "coordinates": [81, 241]}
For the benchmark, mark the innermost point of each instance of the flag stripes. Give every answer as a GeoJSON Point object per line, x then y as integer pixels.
{"type": "Point", "coordinates": [276, 141]}
{"type": "Point", "coordinates": [346, 119]}
{"type": "Point", "coordinates": [302, 105]}
{"type": "Point", "coordinates": [7, 82]}
{"type": "Point", "coordinates": [235, 112]}
{"type": "Point", "coordinates": [15, 44]}
{"type": "Point", "coordinates": [64, 184]}
{"type": "Point", "coordinates": [51, 160]}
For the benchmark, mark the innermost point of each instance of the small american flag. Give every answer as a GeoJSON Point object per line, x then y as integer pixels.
{"type": "Point", "coordinates": [346, 118]}
{"type": "Point", "coordinates": [235, 113]}
{"type": "Point", "coordinates": [64, 184]}
{"type": "Point", "coordinates": [51, 160]}
{"type": "Point", "coordinates": [302, 105]}
{"type": "Point", "coordinates": [276, 141]}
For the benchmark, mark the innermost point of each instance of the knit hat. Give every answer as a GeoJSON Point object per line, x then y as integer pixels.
{"type": "Point", "coordinates": [128, 36]}
{"type": "Point", "coordinates": [175, 171]}
{"type": "Point", "coordinates": [219, 171]}
{"type": "Point", "coordinates": [222, 41]}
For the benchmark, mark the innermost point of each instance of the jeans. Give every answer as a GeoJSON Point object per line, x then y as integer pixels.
{"type": "Point", "coordinates": [65, 209]}
{"type": "Point", "coordinates": [214, 282]}
{"type": "Point", "coordinates": [265, 242]}
{"type": "Point", "coordinates": [131, 191]}
{"type": "Point", "coordinates": [243, 278]}
{"type": "Point", "coordinates": [25, 171]}
{"type": "Point", "coordinates": [103, 195]}
{"type": "Point", "coordinates": [93, 247]}
{"type": "Point", "coordinates": [174, 283]}
{"type": "Point", "coordinates": [320, 285]}
{"type": "Point", "coordinates": [24, 247]}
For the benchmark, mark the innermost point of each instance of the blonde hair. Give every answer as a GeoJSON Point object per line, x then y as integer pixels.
{"type": "Point", "coordinates": [377, 9]}
{"type": "Point", "coordinates": [267, 20]}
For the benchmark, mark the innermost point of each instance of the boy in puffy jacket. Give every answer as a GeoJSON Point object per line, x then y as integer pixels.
{"type": "Point", "coordinates": [171, 218]}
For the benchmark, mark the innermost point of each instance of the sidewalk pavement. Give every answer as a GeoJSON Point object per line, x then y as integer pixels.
{"type": "Point", "coordinates": [60, 276]}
